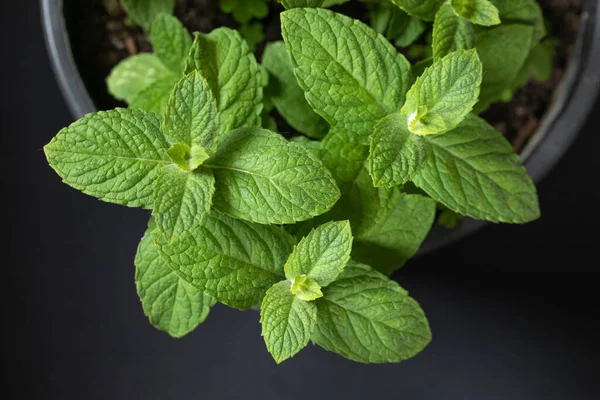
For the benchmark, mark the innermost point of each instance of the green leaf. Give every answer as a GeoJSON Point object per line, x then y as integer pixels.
{"type": "Point", "coordinates": [396, 154]}
{"type": "Point", "coordinates": [424, 9]}
{"type": "Point", "coordinates": [480, 12]}
{"type": "Point", "coordinates": [527, 12]}
{"type": "Point", "coordinates": [448, 218]}
{"type": "Point", "coordinates": [444, 94]}
{"type": "Point", "coordinates": [503, 51]}
{"type": "Point", "coordinates": [474, 171]}
{"type": "Point", "coordinates": [233, 74]}
{"type": "Point", "coordinates": [287, 96]}
{"type": "Point", "coordinates": [171, 42]}
{"type": "Point", "coordinates": [306, 288]}
{"type": "Point", "coordinates": [181, 200]}
{"type": "Point", "coordinates": [187, 158]}
{"type": "Point", "coordinates": [287, 322]}
{"type": "Point", "coordinates": [343, 153]}
{"type": "Point", "coordinates": [451, 32]}
{"type": "Point", "coordinates": [244, 10]}
{"type": "Point", "coordinates": [301, 3]}
{"type": "Point", "coordinates": [261, 177]}
{"type": "Point", "coordinates": [232, 260]}
{"type": "Point", "coordinates": [412, 30]}
{"type": "Point", "coordinates": [191, 114]}
{"type": "Point", "coordinates": [331, 3]}
{"type": "Point", "coordinates": [112, 155]}
{"type": "Point", "coordinates": [398, 233]}
{"type": "Point", "coordinates": [172, 305]}
{"type": "Point", "coordinates": [155, 97]}
{"type": "Point", "coordinates": [253, 33]}
{"type": "Point", "coordinates": [322, 254]}
{"type": "Point", "coordinates": [135, 74]}
{"type": "Point", "coordinates": [368, 318]}
{"type": "Point", "coordinates": [143, 12]}
{"type": "Point", "coordinates": [352, 78]}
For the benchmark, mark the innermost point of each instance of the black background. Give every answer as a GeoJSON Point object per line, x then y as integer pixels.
{"type": "Point", "coordinates": [512, 308]}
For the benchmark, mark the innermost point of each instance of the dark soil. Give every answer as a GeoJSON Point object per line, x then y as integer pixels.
{"type": "Point", "coordinates": [101, 37]}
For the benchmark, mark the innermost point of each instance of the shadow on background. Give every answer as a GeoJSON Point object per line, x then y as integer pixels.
{"type": "Point", "coordinates": [512, 308]}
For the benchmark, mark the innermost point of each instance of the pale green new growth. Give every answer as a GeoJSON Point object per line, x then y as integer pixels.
{"type": "Point", "coordinates": [306, 288]}
{"type": "Point", "coordinates": [444, 94]}
{"type": "Point", "coordinates": [187, 158]}
{"type": "Point", "coordinates": [396, 153]}
{"type": "Point", "coordinates": [451, 32]}
{"type": "Point", "coordinates": [322, 254]}
{"type": "Point", "coordinates": [181, 200]}
{"type": "Point", "coordinates": [232, 260]}
{"type": "Point", "coordinates": [171, 42]}
{"type": "Point", "coordinates": [384, 326]}
{"type": "Point", "coordinates": [113, 155]}
{"type": "Point", "coordinates": [143, 12]}
{"type": "Point", "coordinates": [191, 114]}
{"type": "Point", "coordinates": [287, 321]}
{"type": "Point", "coordinates": [473, 170]}
{"type": "Point", "coordinates": [287, 96]}
{"type": "Point", "coordinates": [233, 74]}
{"type": "Point", "coordinates": [301, 3]}
{"type": "Point", "coordinates": [480, 12]}
{"type": "Point", "coordinates": [352, 77]}
{"type": "Point", "coordinates": [262, 177]}
{"type": "Point", "coordinates": [171, 304]}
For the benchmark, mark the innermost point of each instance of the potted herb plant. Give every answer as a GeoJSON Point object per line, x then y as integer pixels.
{"type": "Point", "coordinates": [385, 115]}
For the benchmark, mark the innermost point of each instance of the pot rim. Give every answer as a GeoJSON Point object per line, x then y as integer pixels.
{"type": "Point", "coordinates": [573, 100]}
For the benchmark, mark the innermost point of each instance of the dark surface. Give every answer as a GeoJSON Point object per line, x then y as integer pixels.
{"type": "Point", "coordinates": [512, 308]}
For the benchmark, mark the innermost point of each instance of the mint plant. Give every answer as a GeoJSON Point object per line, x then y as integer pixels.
{"type": "Point", "coordinates": [309, 228]}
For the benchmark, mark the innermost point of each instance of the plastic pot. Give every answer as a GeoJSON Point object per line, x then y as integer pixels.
{"type": "Point", "coordinates": [573, 99]}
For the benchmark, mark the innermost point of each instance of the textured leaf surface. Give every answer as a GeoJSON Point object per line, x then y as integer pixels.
{"type": "Point", "coordinates": [287, 322]}
{"type": "Point", "coordinates": [181, 200]}
{"type": "Point", "coordinates": [287, 96]}
{"type": "Point", "coordinates": [503, 51]}
{"type": "Point", "coordinates": [135, 74]}
{"type": "Point", "coordinates": [451, 32]}
{"type": "Point", "coordinates": [191, 114]}
{"type": "Point", "coordinates": [143, 12]}
{"type": "Point", "coordinates": [474, 171]}
{"type": "Point", "coordinates": [112, 155]}
{"type": "Point", "coordinates": [368, 318]}
{"type": "Point", "coordinates": [322, 254]}
{"type": "Point", "coordinates": [233, 74]}
{"type": "Point", "coordinates": [352, 76]}
{"type": "Point", "coordinates": [396, 153]}
{"type": "Point", "coordinates": [171, 42]}
{"type": "Point", "coordinates": [232, 260]}
{"type": "Point", "coordinates": [444, 94]}
{"type": "Point", "coordinates": [424, 9]}
{"type": "Point", "coordinates": [480, 12]}
{"type": "Point", "coordinates": [398, 233]}
{"type": "Point", "coordinates": [155, 97]}
{"type": "Point", "coordinates": [172, 305]}
{"type": "Point", "coordinates": [343, 153]}
{"type": "Point", "coordinates": [301, 3]}
{"type": "Point", "coordinates": [261, 177]}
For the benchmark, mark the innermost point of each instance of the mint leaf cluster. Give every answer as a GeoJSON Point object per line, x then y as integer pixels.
{"type": "Point", "coordinates": [309, 228]}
